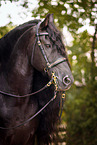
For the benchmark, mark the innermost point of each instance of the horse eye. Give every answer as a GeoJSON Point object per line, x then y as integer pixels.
{"type": "Point", "coordinates": [48, 45]}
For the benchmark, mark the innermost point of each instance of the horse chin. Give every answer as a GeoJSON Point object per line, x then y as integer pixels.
{"type": "Point", "coordinates": [62, 89]}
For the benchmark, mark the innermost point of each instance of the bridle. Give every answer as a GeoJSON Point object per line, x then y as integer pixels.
{"type": "Point", "coordinates": [52, 81]}
{"type": "Point", "coordinates": [48, 65]}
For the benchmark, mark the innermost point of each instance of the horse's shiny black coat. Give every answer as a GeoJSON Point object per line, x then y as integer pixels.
{"type": "Point", "coordinates": [8, 41]}
{"type": "Point", "coordinates": [21, 75]}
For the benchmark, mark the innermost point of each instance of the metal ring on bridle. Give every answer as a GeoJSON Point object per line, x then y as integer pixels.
{"type": "Point", "coordinates": [66, 80]}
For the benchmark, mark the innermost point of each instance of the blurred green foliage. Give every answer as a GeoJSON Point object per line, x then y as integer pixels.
{"type": "Point", "coordinates": [68, 12]}
{"type": "Point", "coordinates": [81, 104]}
{"type": "Point", "coordinates": [80, 108]}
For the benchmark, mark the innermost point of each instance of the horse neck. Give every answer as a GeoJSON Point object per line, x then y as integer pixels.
{"type": "Point", "coordinates": [8, 41]}
{"type": "Point", "coordinates": [19, 70]}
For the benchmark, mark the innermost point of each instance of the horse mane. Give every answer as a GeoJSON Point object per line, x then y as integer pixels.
{"type": "Point", "coordinates": [56, 39]}
{"type": "Point", "coordinates": [7, 42]}
{"type": "Point", "coordinates": [49, 117]}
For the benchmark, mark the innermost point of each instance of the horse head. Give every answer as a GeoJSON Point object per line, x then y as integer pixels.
{"type": "Point", "coordinates": [49, 54]}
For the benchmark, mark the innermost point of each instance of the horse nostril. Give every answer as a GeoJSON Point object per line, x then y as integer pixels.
{"type": "Point", "coordinates": [66, 80]}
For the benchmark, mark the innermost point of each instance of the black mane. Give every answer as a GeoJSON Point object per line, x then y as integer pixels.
{"type": "Point", "coordinates": [56, 39]}
{"type": "Point", "coordinates": [8, 41]}
{"type": "Point", "coordinates": [49, 117]}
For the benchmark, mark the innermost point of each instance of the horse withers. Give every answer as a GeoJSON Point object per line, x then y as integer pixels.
{"type": "Point", "coordinates": [37, 57]}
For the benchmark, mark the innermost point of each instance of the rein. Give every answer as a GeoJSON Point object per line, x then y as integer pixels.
{"type": "Point", "coordinates": [28, 95]}
{"type": "Point", "coordinates": [32, 117]}
{"type": "Point", "coordinates": [52, 81]}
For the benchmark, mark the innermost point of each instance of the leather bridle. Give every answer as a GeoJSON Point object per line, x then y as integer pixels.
{"type": "Point", "coordinates": [52, 81]}
{"type": "Point", "coordinates": [48, 65]}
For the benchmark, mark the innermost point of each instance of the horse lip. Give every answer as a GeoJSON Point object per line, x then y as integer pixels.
{"type": "Point", "coordinates": [63, 89]}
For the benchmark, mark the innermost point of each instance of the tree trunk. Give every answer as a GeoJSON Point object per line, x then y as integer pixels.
{"type": "Point", "coordinates": [92, 56]}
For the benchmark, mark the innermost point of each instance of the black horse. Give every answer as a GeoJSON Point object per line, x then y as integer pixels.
{"type": "Point", "coordinates": [32, 55]}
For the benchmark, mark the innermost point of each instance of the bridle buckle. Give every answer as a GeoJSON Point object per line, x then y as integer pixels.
{"type": "Point", "coordinates": [54, 77]}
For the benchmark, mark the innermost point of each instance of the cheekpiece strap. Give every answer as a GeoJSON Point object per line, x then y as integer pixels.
{"type": "Point", "coordinates": [39, 43]}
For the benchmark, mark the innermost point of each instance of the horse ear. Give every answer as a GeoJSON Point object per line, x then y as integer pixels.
{"type": "Point", "coordinates": [49, 19]}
